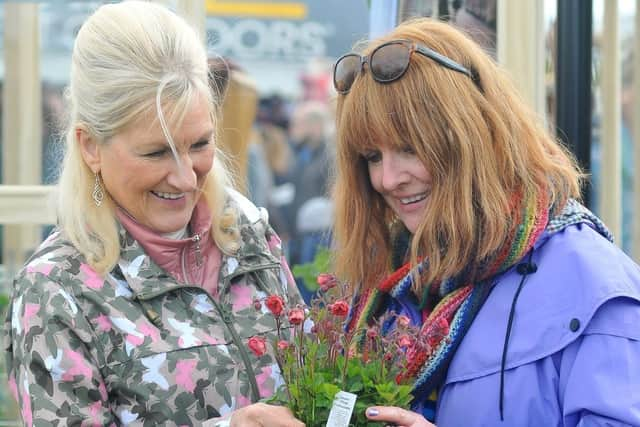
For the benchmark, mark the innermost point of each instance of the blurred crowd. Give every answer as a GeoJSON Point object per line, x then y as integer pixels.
{"type": "Point", "coordinates": [289, 165]}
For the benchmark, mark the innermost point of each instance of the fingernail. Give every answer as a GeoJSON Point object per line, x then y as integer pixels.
{"type": "Point", "coordinates": [372, 412]}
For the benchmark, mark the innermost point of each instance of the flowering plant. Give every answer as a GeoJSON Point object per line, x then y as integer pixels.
{"type": "Point", "coordinates": [322, 356]}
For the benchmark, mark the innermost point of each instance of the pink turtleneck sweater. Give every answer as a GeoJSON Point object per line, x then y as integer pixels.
{"type": "Point", "coordinates": [195, 260]}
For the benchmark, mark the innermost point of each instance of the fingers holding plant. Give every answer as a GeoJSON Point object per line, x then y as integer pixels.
{"type": "Point", "coordinates": [263, 415]}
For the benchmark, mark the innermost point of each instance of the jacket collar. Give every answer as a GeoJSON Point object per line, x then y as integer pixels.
{"type": "Point", "coordinates": [165, 252]}
{"type": "Point", "coordinates": [254, 253]}
{"type": "Point", "coordinates": [147, 279]}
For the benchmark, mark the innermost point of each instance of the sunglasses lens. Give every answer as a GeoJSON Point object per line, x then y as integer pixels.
{"type": "Point", "coordinates": [345, 72]}
{"type": "Point", "coordinates": [389, 62]}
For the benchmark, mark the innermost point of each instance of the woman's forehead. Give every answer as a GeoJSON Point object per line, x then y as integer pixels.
{"type": "Point", "coordinates": [194, 120]}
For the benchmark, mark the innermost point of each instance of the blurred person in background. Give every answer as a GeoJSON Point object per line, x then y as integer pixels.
{"type": "Point", "coordinates": [139, 308]}
{"type": "Point", "coordinates": [628, 140]}
{"type": "Point", "coordinates": [52, 121]}
{"type": "Point", "coordinates": [259, 175]}
{"type": "Point", "coordinates": [259, 178]}
{"type": "Point", "coordinates": [315, 81]}
{"type": "Point", "coordinates": [278, 155]}
{"type": "Point", "coordinates": [270, 131]}
{"type": "Point", "coordinates": [457, 210]}
{"type": "Point", "coordinates": [274, 110]}
{"type": "Point", "coordinates": [310, 132]}
{"type": "Point", "coordinates": [277, 151]}
{"type": "Point", "coordinates": [627, 163]}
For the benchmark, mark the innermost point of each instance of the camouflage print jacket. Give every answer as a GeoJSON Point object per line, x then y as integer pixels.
{"type": "Point", "coordinates": [136, 347]}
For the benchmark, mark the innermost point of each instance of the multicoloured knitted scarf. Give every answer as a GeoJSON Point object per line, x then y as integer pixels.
{"type": "Point", "coordinates": [457, 300]}
{"type": "Point", "coordinates": [460, 301]}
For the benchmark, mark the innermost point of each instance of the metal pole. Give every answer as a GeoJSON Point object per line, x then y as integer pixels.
{"type": "Point", "coordinates": [573, 80]}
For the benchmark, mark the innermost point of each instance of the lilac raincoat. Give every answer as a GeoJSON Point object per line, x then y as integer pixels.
{"type": "Point", "coordinates": [573, 357]}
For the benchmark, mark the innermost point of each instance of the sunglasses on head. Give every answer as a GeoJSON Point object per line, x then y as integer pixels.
{"type": "Point", "coordinates": [387, 63]}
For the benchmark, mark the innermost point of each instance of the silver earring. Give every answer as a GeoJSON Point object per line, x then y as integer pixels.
{"type": "Point", "coordinates": [98, 193]}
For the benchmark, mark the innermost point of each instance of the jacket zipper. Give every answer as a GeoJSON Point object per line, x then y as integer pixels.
{"type": "Point", "coordinates": [227, 318]}
{"type": "Point", "coordinates": [183, 262]}
{"type": "Point", "coordinates": [196, 240]}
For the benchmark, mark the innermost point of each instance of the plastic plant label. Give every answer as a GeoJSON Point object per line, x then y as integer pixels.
{"type": "Point", "coordinates": [341, 410]}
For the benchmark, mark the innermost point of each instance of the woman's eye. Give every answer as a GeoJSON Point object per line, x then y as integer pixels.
{"type": "Point", "coordinates": [408, 150]}
{"type": "Point", "coordinates": [200, 145]}
{"type": "Point", "coordinates": [156, 154]}
{"type": "Point", "coordinates": [372, 156]}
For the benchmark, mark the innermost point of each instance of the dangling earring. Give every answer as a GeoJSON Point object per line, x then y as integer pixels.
{"type": "Point", "coordinates": [98, 194]}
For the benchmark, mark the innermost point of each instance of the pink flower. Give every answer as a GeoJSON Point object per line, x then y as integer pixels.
{"type": "Point", "coordinates": [283, 345]}
{"type": "Point", "coordinates": [258, 345]}
{"type": "Point", "coordinates": [372, 333]}
{"type": "Point", "coordinates": [404, 341]}
{"type": "Point", "coordinates": [296, 316]}
{"type": "Point", "coordinates": [326, 281]}
{"type": "Point", "coordinates": [339, 308]}
{"type": "Point", "coordinates": [412, 354]}
{"type": "Point", "coordinates": [399, 379]}
{"type": "Point", "coordinates": [275, 304]}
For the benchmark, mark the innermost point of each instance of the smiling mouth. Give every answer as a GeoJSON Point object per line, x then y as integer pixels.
{"type": "Point", "coordinates": [168, 196]}
{"type": "Point", "coordinates": [413, 199]}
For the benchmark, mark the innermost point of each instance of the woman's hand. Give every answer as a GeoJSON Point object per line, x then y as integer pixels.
{"type": "Point", "coordinates": [263, 415]}
{"type": "Point", "coordinates": [397, 416]}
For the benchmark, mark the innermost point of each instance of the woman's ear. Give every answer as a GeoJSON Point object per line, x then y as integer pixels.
{"type": "Point", "coordinates": [88, 148]}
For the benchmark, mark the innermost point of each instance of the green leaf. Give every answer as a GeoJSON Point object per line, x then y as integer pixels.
{"type": "Point", "coordinates": [330, 390]}
{"type": "Point", "coordinates": [355, 387]}
{"type": "Point", "coordinates": [309, 272]}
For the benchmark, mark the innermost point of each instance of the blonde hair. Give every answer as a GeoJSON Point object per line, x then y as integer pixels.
{"type": "Point", "coordinates": [129, 59]}
{"type": "Point", "coordinates": [476, 137]}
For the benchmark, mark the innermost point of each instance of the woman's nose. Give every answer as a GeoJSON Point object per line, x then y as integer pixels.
{"type": "Point", "coordinates": [182, 176]}
{"type": "Point", "coordinates": [393, 174]}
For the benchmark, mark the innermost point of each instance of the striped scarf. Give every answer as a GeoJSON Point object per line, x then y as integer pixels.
{"type": "Point", "coordinates": [456, 300]}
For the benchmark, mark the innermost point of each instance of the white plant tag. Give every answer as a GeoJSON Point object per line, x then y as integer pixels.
{"type": "Point", "coordinates": [341, 410]}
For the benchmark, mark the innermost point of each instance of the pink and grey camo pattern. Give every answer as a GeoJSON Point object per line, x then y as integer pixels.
{"type": "Point", "coordinates": [136, 347]}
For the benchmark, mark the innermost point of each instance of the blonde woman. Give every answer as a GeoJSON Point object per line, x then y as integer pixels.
{"type": "Point", "coordinates": [456, 209]}
{"type": "Point", "coordinates": [139, 308]}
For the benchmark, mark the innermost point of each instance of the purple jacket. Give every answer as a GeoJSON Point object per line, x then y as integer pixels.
{"type": "Point", "coordinates": [573, 356]}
